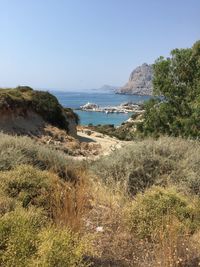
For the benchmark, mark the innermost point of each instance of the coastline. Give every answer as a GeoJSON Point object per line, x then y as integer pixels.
{"type": "Point", "coordinates": [76, 99]}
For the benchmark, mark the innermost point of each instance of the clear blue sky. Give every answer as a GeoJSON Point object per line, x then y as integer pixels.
{"type": "Point", "coordinates": [77, 44]}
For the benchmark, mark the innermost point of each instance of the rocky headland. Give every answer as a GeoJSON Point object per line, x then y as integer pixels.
{"type": "Point", "coordinates": [24, 111]}
{"type": "Point", "coordinates": [140, 81]}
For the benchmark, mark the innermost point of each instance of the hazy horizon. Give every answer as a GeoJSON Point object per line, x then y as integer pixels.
{"type": "Point", "coordinates": [79, 45]}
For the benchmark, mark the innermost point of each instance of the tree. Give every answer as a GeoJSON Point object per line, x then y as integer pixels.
{"type": "Point", "coordinates": [177, 82]}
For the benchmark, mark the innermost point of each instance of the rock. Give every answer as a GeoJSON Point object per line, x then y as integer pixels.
{"type": "Point", "coordinates": [99, 136]}
{"type": "Point", "coordinates": [140, 81]}
{"type": "Point", "coordinates": [88, 132]}
{"type": "Point", "coordinates": [99, 229]}
{"type": "Point", "coordinates": [118, 146]}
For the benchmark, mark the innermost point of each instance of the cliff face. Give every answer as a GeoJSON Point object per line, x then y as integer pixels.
{"type": "Point", "coordinates": [26, 111]}
{"type": "Point", "coordinates": [140, 81]}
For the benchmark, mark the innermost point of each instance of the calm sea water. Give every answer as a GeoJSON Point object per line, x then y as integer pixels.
{"type": "Point", "coordinates": [75, 99]}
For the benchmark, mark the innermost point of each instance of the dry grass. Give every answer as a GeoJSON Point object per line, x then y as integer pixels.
{"type": "Point", "coordinates": [111, 240]}
{"type": "Point", "coordinates": [70, 202]}
{"type": "Point", "coordinates": [172, 250]}
{"type": "Point", "coordinates": [64, 202]}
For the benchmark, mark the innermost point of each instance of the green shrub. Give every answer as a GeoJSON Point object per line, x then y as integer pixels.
{"type": "Point", "coordinates": [154, 210]}
{"type": "Point", "coordinates": [142, 164]}
{"type": "Point", "coordinates": [23, 150]}
{"type": "Point", "coordinates": [18, 236]}
{"type": "Point", "coordinates": [123, 132]}
{"type": "Point", "coordinates": [137, 166]}
{"type": "Point", "coordinates": [64, 203]}
{"type": "Point", "coordinates": [26, 239]}
{"type": "Point", "coordinates": [59, 248]}
{"type": "Point", "coordinates": [49, 108]}
{"type": "Point", "coordinates": [72, 115]}
{"type": "Point", "coordinates": [28, 186]}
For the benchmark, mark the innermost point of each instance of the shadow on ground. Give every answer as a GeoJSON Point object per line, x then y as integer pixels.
{"type": "Point", "coordinates": [85, 139]}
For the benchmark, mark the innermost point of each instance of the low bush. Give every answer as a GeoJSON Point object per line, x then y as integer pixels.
{"type": "Point", "coordinates": [153, 211]}
{"type": "Point", "coordinates": [22, 150]}
{"type": "Point", "coordinates": [126, 131]}
{"type": "Point", "coordinates": [18, 236]}
{"type": "Point", "coordinates": [72, 115]}
{"type": "Point", "coordinates": [59, 248]}
{"type": "Point", "coordinates": [64, 202]}
{"type": "Point", "coordinates": [27, 239]}
{"type": "Point", "coordinates": [28, 186]}
{"type": "Point", "coordinates": [140, 165]}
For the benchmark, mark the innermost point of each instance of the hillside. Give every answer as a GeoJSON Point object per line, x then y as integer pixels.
{"type": "Point", "coordinates": [140, 81]}
{"type": "Point", "coordinates": [138, 207]}
{"type": "Point", "coordinates": [24, 110]}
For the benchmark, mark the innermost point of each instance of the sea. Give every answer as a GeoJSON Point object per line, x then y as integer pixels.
{"type": "Point", "coordinates": [76, 99]}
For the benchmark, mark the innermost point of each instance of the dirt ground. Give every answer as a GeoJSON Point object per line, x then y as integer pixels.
{"type": "Point", "coordinates": [106, 143]}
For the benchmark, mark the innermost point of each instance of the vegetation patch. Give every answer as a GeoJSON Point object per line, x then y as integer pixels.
{"type": "Point", "coordinates": [29, 186]}
{"type": "Point", "coordinates": [23, 150]}
{"type": "Point", "coordinates": [138, 166]}
{"type": "Point", "coordinates": [125, 132]}
{"type": "Point", "coordinates": [18, 236]}
{"type": "Point", "coordinates": [59, 247]}
{"type": "Point", "coordinates": [27, 239]}
{"type": "Point", "coordinates": [156, 208]}
{"type": "Point", "coordinates": [177, 80]}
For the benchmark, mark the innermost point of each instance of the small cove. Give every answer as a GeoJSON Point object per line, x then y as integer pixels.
{"type": "Point", "coordinates": [76, 99]}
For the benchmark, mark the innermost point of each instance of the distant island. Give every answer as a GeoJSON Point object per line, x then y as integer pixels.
{"type": "Point", "coordinates": [107, 88]}
{"type": "Point", "coordinates": [140, 81]}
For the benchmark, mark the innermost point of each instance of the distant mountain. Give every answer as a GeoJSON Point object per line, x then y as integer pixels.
{"type": "Point", "coordinates": [140, 81]}
{"type": "Point", "coordinates": [107, 88]}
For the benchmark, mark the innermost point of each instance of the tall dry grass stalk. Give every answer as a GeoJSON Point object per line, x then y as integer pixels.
{"type": "Point", "coordinates": [71, 201]}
